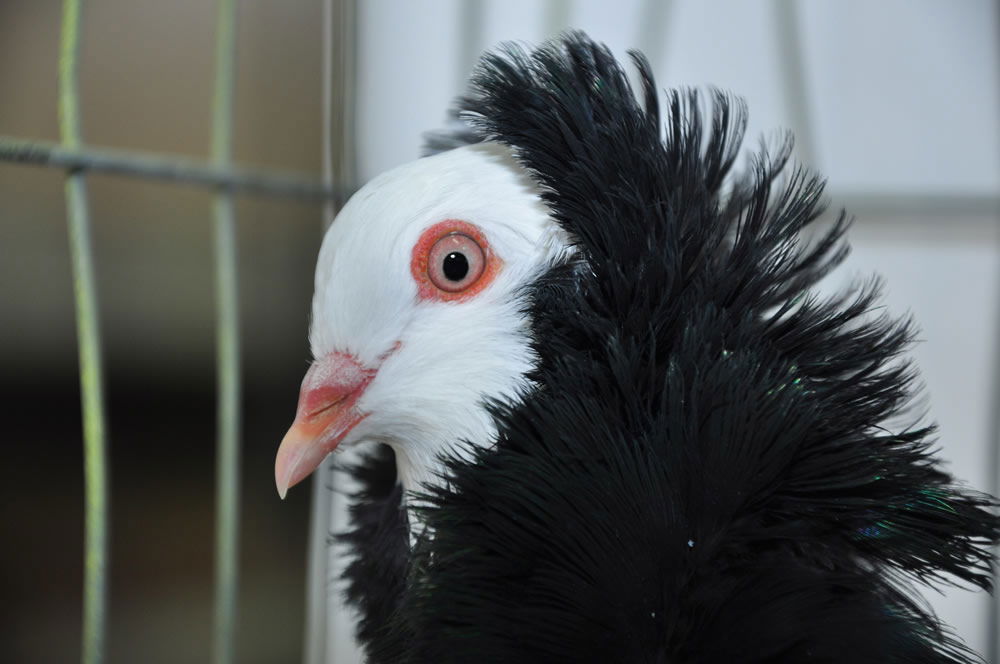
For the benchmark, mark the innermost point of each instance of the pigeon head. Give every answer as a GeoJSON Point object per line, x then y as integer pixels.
{"type": "Point", "coordinates": [419, 313]}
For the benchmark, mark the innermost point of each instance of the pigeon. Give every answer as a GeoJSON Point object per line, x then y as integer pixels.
{"type": "Point", "coordinates": [607, 414]}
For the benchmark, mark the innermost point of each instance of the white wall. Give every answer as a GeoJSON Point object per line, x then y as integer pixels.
{"type": "Point", "coordinates": [902, 98]}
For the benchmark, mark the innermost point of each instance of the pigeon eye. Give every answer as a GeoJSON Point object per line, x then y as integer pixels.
{"type": "Point", "coordinates": [452, 261]}
{"type": "Point", "coordinates": [456, 261]}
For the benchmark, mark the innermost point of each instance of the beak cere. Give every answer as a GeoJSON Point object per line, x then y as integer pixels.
{"type": "Point", "coordinates": [325, 415]}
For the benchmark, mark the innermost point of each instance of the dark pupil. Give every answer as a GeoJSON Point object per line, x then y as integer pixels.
{"type": "Point", "coordinates": [455, 266]}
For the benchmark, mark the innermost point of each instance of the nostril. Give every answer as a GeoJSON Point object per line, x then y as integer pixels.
{"type": "Point", "coordinates": [331, 382]}
{"type": "Point", "coordinates": [324, 398]}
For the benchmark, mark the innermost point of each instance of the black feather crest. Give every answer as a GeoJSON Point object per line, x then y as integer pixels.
{"type": "Point", "coordinates": [705, 473]}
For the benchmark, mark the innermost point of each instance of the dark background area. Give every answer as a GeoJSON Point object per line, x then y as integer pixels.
{"type": "Point", "coordinates": [146, 77]}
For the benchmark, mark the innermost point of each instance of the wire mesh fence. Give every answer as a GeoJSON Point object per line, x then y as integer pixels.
{"type": "Point", "coordinates": [73, 155]}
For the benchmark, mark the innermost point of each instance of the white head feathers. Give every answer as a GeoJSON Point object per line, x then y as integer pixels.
{"type": "Point", "coordinates": [437, 361]}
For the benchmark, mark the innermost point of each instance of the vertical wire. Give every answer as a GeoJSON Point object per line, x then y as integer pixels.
{"type": "Point", "coordinates": [95, 593]}
{"type": "Point", "coordinates": [791, 59]}
{"type": "Point", "coordinates": [471, 22]}
{"type": "Point", "coordinates": [317, 600]}
{"type": "Point", "coordinates": [654, 30]}
{"type": "Point", "coordinates": [993, 447]}
{"type": "Point", "coordinates": [343, 137]}
{"type": "Point", "coordinates": [329, 629]}
{"type": "Point", "coordinates": [329, 206]}
{"type": "Point", "coordinates": [228, 347]}
{"type": "Point", "coordinates": [557, 15]}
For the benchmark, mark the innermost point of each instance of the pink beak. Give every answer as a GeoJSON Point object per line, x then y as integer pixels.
{"type": "Point", "coordinates": [325, 415]}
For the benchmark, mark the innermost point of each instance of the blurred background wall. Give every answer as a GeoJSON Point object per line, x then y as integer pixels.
{"type": "Point", "coordinates": [900, 108]}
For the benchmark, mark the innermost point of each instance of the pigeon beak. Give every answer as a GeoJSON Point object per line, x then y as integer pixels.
{"type": "Point", "coordinates": [326, 413]}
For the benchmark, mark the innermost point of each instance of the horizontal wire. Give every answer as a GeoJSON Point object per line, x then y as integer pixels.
{"type": "Point", "coordinates": [175, 168]}
{"type": "Point", "coordinates": [943, 205]}
{"type": "Point", "coordinates": [192, 171]}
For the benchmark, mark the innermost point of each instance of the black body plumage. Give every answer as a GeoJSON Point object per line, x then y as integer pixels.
{"type": "Point", "coordinates": [706, 472]}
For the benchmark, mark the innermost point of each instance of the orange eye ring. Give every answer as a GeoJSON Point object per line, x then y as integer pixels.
{"type": "Point", "coordinates": [452, 261]}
